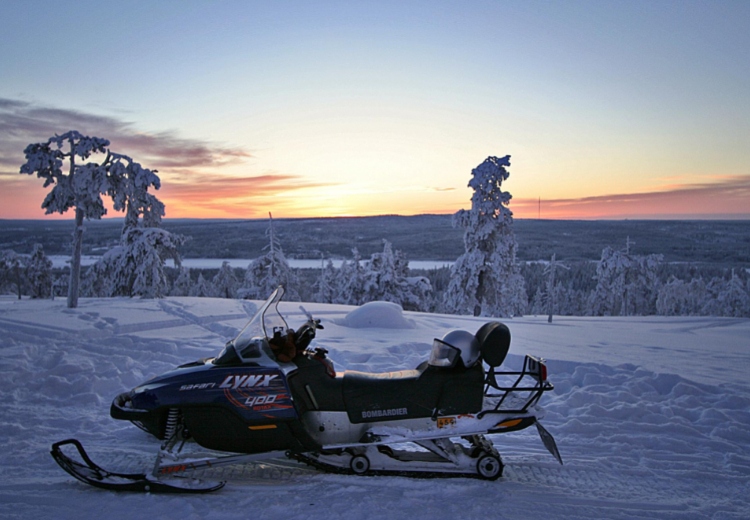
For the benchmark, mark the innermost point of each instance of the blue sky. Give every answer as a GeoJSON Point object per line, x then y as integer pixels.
{"type": "Point", "coordinates": [608, 109]}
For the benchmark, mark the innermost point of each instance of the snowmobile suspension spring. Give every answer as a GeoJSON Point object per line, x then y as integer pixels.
{"type": "Point", "coordinates": [173, 420]}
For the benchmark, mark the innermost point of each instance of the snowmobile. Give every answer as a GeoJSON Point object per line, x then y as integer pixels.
{"type": "Point", "coordinates": [270, 393]}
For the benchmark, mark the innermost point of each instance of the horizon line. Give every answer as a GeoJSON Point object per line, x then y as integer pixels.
{"type": "Point", "coordinates": [617, 218]}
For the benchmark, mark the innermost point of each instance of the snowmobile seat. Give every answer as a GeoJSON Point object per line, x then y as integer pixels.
{"type": "Point", "coordinates": [407, 394]}
{"type": "Point", "coordinates": [494, 342]}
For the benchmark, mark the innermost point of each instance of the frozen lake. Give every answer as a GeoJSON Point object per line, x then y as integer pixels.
{"type": "Point", "coordinates": [215, 263]}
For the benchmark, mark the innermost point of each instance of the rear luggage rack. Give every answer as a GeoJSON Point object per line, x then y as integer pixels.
{"type": "Point", "coordinates": [523, 395]}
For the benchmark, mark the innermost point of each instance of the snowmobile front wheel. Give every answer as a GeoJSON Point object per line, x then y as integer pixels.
{"type": "Point", "coordinates": [489, 467]}
{"type": "Point", "coordinates": [359, 464]}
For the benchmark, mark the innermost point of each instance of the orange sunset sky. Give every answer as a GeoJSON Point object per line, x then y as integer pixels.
{"type": "Point", "coordinates": [609, 110]}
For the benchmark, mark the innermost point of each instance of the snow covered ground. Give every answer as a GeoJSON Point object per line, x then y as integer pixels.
{"type": "Point", "coordinates": [651, 415]}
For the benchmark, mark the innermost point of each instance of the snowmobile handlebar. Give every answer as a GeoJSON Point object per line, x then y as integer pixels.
{"type": "Point", "coordinates": [306, 333]}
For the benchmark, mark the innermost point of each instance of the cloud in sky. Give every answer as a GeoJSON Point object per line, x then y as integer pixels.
{"type": "Point", "coordinates": [217, 195]}
{"type": "Point", "coordinates": [23, 123]}
{"type": "Point", "coordinates": [726, 197]}
{"type": "Point", "coordinates": [195, 180]}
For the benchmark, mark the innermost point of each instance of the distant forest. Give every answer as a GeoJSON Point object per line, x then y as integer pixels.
{"type": "Point", "coordinates": [424, 237]}
{"type": "Point", "coordinates": [566, 267]}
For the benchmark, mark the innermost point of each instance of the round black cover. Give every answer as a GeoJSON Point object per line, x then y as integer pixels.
{"type": "Point", "coordinates": [494, 342]}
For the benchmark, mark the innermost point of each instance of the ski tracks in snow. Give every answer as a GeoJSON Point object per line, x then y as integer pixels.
{"type": "Point", "coordinates": [581, 488]}
{"type": "Point", "coordinates": [213, 323]}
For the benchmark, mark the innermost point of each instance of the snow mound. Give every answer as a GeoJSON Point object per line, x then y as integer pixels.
{"type": "Point", "coordinates": [381, 315]}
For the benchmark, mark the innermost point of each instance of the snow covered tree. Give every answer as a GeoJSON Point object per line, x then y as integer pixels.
{"type": "Point", "coordinates": [225, 282]}
{"type": "Point", "coordinates": [145, 252]}
{"type": "Point", "coordinates": [12, 270]}
{"type": "Point", "coordinates": [39, 273]}
{"type": "Point", "coordinates": [60, 286]}
{"type": "Point", "coordinates": [418, 297]}
{"type": "Point", "coordinates": [551, 291]}
{"type": "Point", "coordinates": [673, 298]}
{"type": "Point", "coordinates": [486, 280]}
{"type": "Point", "coordinates": [84, 184]}
{"type": "Point", "coordinates": [386, 278]}
{"type": "Point", "coordinates": [735, 298]}
{"type": "Point", "coordinates": [136, 266]}
{"type": "Point", "coordinates": [182, 283]}
{"type": "Point", "coordinates": [266, 273]}
{"type": "Point", "coordinates": [95, 281]}
{"type": "Point", "coordinates": [627, 284]}
{"type": "Point", "coordinates": [697, 295]}
{"type": "Point", "coordinates": [726, 298]}
{"type": "Point", "coordinates": [538, 304]}
{"type": "Point", "coordinates": [352, 279]}
{"type": "Point", "coordinates": [327, 286]}
{"type": "Point", "coordinates": [202, 288]}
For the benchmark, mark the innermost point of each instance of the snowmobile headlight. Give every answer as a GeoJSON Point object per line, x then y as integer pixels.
{"type": "Point", "coordinates": [443, 355]}
{"type": "Point", "coordinates": [143, 388]}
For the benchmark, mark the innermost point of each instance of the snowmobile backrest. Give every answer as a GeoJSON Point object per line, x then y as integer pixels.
{"type": "Point", "coordinates": [494, 342]}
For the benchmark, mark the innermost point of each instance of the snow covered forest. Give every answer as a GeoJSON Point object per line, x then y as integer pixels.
{"type": "Point", "coordinates": [623, 280]}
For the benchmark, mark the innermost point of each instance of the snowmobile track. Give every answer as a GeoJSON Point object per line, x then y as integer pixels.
{"type": "Point", "coordinates": [578, 484]}
{"type": "Point", "coordinates": [585, 482]}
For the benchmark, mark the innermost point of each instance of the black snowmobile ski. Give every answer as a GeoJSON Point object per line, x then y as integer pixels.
{"type": "Point", "coordinates": [90, 473]}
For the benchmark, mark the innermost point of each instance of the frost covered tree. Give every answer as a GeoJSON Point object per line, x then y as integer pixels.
{"type": "Point", "coordinates": [95, 281]}
{"type": "Point", "coordinates": [673, 298]}
{"type": "Point", "coordinates": [141, 270]}
{"type": "Point", "coordinates": [202, 288]}
{"type": "Point", "coordinates": [136, 267]}
{"type": "Point", "coordinates": [327, 286]}
{"type": "Point", "coordinates": [386, 278]}
{"type": "Point", "coordinates": [182, 283]}
{"type": "Point", "coordinates": [726, 298]}
{"type": "Point", "coordinates": [551, 292]}
{"type": "Point", "coordinates": [486, 280]}
{"type": "Point", "coordinates": [419, 294]}
{"type": "Point", "coordinates": [735, 298]}
{"type": "Point", "coordinates": [627, 284]}
{"type": "Point", "coordinates": [12, 270]}
{"type": "Point", "coordinates": [117, 176]}
{"type": "Point", "coordinates": [266, 273]}
{"type": "Point", "coordinates": [39, 273]}
{"type": "Point", "coordinates": [538, 305]}
{"type": "Point", "coordinates": [352, 279]}
{"type": "Point", "coordinates": [225, 282]}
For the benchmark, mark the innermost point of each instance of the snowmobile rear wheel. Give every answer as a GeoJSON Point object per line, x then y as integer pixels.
{"type": "Point", "coordinates": [489, 467]}
{"type": "Point", "coordinates": [359, 464]}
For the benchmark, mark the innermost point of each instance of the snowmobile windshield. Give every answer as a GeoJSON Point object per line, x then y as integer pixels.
{"type": "Point", "coordinates": [262, 325]}
{"type": "Point", "coordinates": [443, 355]}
